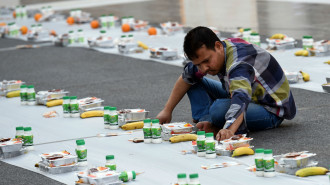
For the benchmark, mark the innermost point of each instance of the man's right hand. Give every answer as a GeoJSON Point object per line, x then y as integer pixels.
{"type": "Point", "coordinates": [164, 116]}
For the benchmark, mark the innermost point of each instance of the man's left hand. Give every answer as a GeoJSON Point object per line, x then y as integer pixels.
{"type": "Point", "coordinates": [224, 134]}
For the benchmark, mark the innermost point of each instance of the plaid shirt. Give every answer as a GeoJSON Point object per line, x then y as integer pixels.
{"type": "Point", "coordinates": [250, 74]}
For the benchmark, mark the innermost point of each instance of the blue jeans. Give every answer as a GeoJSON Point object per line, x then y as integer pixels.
{"type": "Point", "coordinates": [210, 102]}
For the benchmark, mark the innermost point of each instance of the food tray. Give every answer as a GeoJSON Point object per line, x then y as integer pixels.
{"type": "Point", "coordinates": [65, 160]}
{"type": "Point", "coordinates": [11, 154]}
{"type": "Point", "coordinates": [318, 53]}
{"type": "Point", "coordinates": [163, 53]}
{"type": "Point", "coordinates": [43, 96]}
{"type": "Point", "coordinates": [99, 178]}
{"type": "Point", "coordinates": [220, 150]}
{"type": "Point", "coordinates": [295, 159]}
{"type": "Point", "coordinates": [57, 170]}
{"type": "Point", "coordinates": [107, 43]}
{"type": "Point", "coordinates": [10, 85]}
{"type": "Point", "coordinates": [171, 27]}
{"type": "Point", "coordinates": [293, 77]}
{"type": "Point", "coordinates": [232, 144]}
{"type": "Point", "coordinates": [177, 128]}
{"type": "Point", "coordinates": [126, 48]}
{"type": "Point", "coordinates": [89, 102]}
{"type": "Point", "coordinates": [12, 145]}
{"type": "Point", "coordinates": [282, 168]}
{"type": "Point", "coordinates": [326, 87]}
{"type": "Point", "coordinates": [130, 115]}
{"type": "Point", "coordinates": [62, 40]}
{"type": "Point", "coordinates": [287, 43]}
{"type": "Point", "coordinates": [328, 79]}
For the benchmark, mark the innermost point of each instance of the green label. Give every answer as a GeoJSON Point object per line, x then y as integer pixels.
{"type": "Point", "coordinates": [123, 176]}
{"type": "Point", "coordinates": [147, 133]}
{"type": "Point", "coordinates": [111, 24]}
{"type": "Point", "coordinates": [28, 140]}
{"type": "Point", "coordinates": [31, 96]}
{"type": "Point", "coordinates": [81, 39]}
{"type": "Point", "coordinates": [156, 133]}
{"type": "Point", "coordinates": [66, 108]}
{"type": "Point", "coordinates": [210, 148]}
{"type": "Point", "coordinates": [307, 46]}
{"type": "Point", "coordinates": [71, 41]}
{"type": "Point", "coordinates": [19, 136]}
{"type": "Point", "coordinates": [23, 96]}
{"type": "Point", "coordinates": [201, 146]}
{"type": "Point", "coordinates": [111, 167]}
{"type": "Point", "coordinates": [259, 164]}
{"type": "Point", "coordinates": [269, 165]}
{"type": "Point", "coordinates": [74, 108]}
{"type": "Point", "coordinates": [113, 119]}
{"type": "Point", "coordinates": [104, 24]}
{"type": "Point", "coordinates": [106, 118]}
{"type": "Point", "coordinates": [82, 155]}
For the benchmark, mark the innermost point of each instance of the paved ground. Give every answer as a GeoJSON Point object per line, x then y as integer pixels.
{"type": "Point", "coordinates": [127, 82]}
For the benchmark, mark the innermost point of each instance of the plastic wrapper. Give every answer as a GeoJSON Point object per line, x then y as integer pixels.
{"type": "Point", "coordinates": [131, 115]}
{"type": "Point", "coordinates": [236, 142]}
{"type": "Point", "coordinates": [282, 168]}
{"type": "Point", "coordinates": [43, 96]}
{"type": "Point", "coordinates": [139, 25]}
{"type": "Point", "coordinates": [57, 170]}
{"type": "Point", "coordinates": [8, 86]}
{"type": "Point", "coordinates": [320, 48]}
{"type": "Point", "coordinates": [164, 53]}
{"type": "Point", "coordinates": [293, 77]}
{"type": "Point", "coordinates": [286, 43]}
{"type": "Point", "coordinates": [89, 102]}
{"type": "Point", "coordinates": [100, 42]}
{"type": "Point", "coordinates": [126, 48]}
{"type": "Point", "coordinates": [50, 114]}
{"type": "Point", "coordinates": [10, 145]}
{"type": "Point", "coordinates": [57, 159]}
{"type": "Point", "coordinates": [219, 165]}
{"type": "Point", "coordinates": [99, 176]}
{"type": "Point", "coordinates": [176, 128]}
{"type": "Point", "coordinates": [295, 159]}
{"type": "Point", "coordinates": [171, 28]}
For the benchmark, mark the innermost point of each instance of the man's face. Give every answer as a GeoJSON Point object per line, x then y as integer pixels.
{"type": "Point", "coordinates": [209, 61]}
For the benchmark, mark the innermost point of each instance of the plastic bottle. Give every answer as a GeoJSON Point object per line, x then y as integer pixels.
{"type": "Point", "coordinates": [33, 28]}
{"type": "Point", "coordinates": [210, 146]}
{"type": "Point", "coordinates": [123, 38]}
{"type": "Point", "coordinates": [106, 117]}
{"type": "Point", "coordinates": [147, 131]}
{"type": "Point", "coordinates": [18, 12]}
{"type": "Point", "coordinates": [24, 12]}
{"type": "Point", "coordinates": [78, 13]}
{"type": "Point", "coordinates": [130, 38]}
{"type": "Point", "coordinates": [110, 163]}
{"type": "Point", "coordinates": [72, 13]}
{"type": "Point", "coordinates": [193, 179]}
{"type": "Point", "coordinates": [28, 138]}
{"type": "Point", "coordinates": [111, 21]}
{"type": "Point", "coordinates": [255, 39]}
{"type": "Point", "coordinates": [81, 38]}
{"type": "Point", "coordinates": [19, 132]}
{"type": "Point", "coordinates": [31, 95]}
{"type": "Point", "coordinates": [156, 131]}
{"type": "Point", "coordinates": [246, 34]}
{"type": "Point", "coordinates": [81, 152]}
{"type": "Point", "coordinates": [71, 37]}
{"type": "Point", "coordinates": [103, 19]}
{"type": "Point", "coordinates": [66, 107]}
{"type": "Point", "coordinates": [103, 34]}
{"type": "Point", "coordinates": [124, 20]}
{"type": "Point", "coordinates": [74, 107]}
{"type": "Point", "coordinates": [307, 42]}
{"type": "Point", "coordinates": [182, 179]}
{"type": "Point", "coordinates": [131, 20]}
{"type": "Point", "coordinates": [201, 146]}
{"type": "Point", "coordinates": [126, 176]}
{"type": "Point", "coordinates": [23, 94]}
{"type": "Point", "coordinates": [269, 170]}
{"type": "Point", "coordinates": [259, 162]}
{"type": "Point", "coordinates": [39, 28]}
{"type": "Point", "coordinates": [43, 10]}
{"type": "Point", "coordinates": [113, 118]}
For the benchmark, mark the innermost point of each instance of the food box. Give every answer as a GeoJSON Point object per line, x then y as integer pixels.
{"type": "Point", "coordinates": [62, 40]}
{"type": "Point", "coordinates": [164, 53]}
{"type": "Point", "coordinates": [326, 87]}
{"type": "Point", "coordinates": [131, 115]}
{"type": "Point", "coordinates": [220, 150]}
{"type": "Point", "coordinates": [10, 145]}
{"type": "Point", "coordinates": [295, 159]}
{"type": "Point", "coordinates": [293, 77]}
{"type": "Point", "coordinates": [57, 159]}
{"type": "Point", "coordinates": [89, 102]}
{"type": "Point", "coordinates": [98, 176]}
{"type": "Point", "coordinates": [170, 28]}
{"type": "Point", "coordinates": [282, 168]}
{"type": "Point", "coordinates": [101, 42]}
{"type": "Point", "coordinates": [139, 25]}
{"type": "Point", "coordinates": [40, 35]}
{"type": "Point", "coordinates": [12, 154]}
{"type": "Point", "coordinates": [176, 128]}
{"type": "Point", "coordinates": [57, 170]}
{"type": "Point", "coordinates": [11, 85]}
{"type": "Point", "coordinates": [286, 43]}
{"type": "Point", "coordinates": [236, 141]}
{"type": "Point", "coordinates": [43, 96]}
{"type": "Point", "coordinates": [328, 80]}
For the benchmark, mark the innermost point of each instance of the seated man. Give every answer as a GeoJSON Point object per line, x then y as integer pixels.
{"type": "Point", "coordinates": [253, 92]}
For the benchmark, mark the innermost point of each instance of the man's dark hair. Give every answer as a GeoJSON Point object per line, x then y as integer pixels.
{"type": "Point", "coordinates": [196, 38]}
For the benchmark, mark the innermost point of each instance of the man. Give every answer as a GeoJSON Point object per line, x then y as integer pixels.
{"type": "Point", "coordinates": [253, 92]}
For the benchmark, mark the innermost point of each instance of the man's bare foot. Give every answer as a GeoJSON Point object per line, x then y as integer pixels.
{"type": "Point", "coordinates": [207, 127]}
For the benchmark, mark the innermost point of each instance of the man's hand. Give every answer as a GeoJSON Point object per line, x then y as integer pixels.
{"type": "Point", "coordinates": [224, 134]}
{"type": "Point", "coordinates": [164, 117]}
